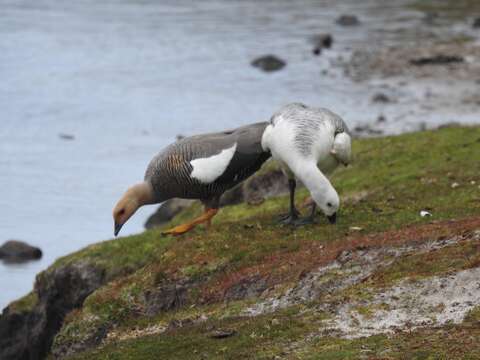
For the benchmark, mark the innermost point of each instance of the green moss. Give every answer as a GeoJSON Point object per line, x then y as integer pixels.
{"type": "Point", "coordinates": [24, 304]}
{"type": "Point", "coordinates": [365, 311]}
{"type": "Point", "coordinates": [473, 316]}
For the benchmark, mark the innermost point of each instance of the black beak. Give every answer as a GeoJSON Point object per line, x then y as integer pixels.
{"type": "Point", "coordinates": [117, 229]}
{"type": "Point", "coordinates": [332, 218]}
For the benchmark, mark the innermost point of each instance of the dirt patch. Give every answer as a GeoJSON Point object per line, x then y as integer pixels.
{"type": "Point", "coordinates": [408, 304]}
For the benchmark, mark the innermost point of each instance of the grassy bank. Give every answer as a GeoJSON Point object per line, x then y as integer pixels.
{"type": "Point", "coordinates": [189, 297]}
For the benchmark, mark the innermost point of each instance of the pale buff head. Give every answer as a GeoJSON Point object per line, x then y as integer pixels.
{"type": "Point", "coordinates": [134, 197]}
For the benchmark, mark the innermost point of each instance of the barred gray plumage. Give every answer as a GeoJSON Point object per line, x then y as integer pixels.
{"type": "Point", "coordinates": [307, 121]}
{"type": "Point", "coordinates": [170, 171]}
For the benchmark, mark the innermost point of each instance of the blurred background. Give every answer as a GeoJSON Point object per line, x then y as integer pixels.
{"type": "Point", "coordinates": [91, 90]}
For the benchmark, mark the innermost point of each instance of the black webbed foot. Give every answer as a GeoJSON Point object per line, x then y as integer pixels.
{"type": "Point", "coordinates": [309, 220]}
{"type": "Point", "coordinates": [288, 218]}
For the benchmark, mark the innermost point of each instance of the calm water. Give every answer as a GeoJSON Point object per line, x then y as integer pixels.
{"type": "Point", "coordinates": [125, 77]}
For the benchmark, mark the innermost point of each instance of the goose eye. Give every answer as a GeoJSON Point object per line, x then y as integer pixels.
{"type": "Point", "coordinates": [121, 212]}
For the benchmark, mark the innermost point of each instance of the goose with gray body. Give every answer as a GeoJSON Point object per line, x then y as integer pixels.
{"type": "Point", "coordinates": [309, 142]}
{"type": "Point", "coordinates": [199, 167]}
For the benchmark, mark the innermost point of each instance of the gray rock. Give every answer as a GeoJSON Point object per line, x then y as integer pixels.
{"type": "Point", "coordinates": [167, 212]}
{"type": "Point", "coordinates": [431, 18]}
{"type": "Point", "coordinates": [476, 23]}
{"type": "Point", "coordinates": [381, 119]}
{"type": "Point", "coordinates": [64, 136]}
{"type": "Point", "coordinates": [268, 63]}
{"type": "Point", "coordinates": [165, 297]}
{"type": "Point", "coordinates": [222, 333]}
{"type": "Point", "coordinates": [380, 98]}
{"type": "Point", "coordinates": [348, 20]}
{"type": "Point", "coordinates": [29, 335]}
{"type": "Point", "coordinates": [437, 60]}
{"type": "Point", "coordinates": [269, 184]}
{"type": "Point", "coordinates": [247, 288]}
{"type": "Point", "coordinates": [14, 251]}
{"type": "Point", "coordinates": [321, 41]}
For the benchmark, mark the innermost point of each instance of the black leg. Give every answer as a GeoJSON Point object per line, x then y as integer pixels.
{"type": "Point", "coordinates": [293, 215]}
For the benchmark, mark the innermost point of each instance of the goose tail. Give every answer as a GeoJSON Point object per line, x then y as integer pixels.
{"type": "Point", "coordinates": [342, 148]}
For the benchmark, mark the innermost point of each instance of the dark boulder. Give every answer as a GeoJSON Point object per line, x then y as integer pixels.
{"type": "Point", "coordinates": [381, 98]}
{"type": "Point", "coordinates": [14, 251]}
{"type": "Point", "coordinates": [437, 60]}
{"type": "Point", "coordinates": [268, 63]}
{"type": "Point", "coordinates": [431, 18]}
{"type": "Point", "coordinates": [246, 288]}
{"type": "Point", "coordinates": [28, 334]}
{"type": "Point", "coordinates": [263, 186]}
{"type": "Point", "coordinates": [476, 23]}
{"type": "Point", "coordinates": [381, 119]}
{"type": "Point", "coordinates": [167, 212]}
{"type": "Point", "coordinates": [64, 136]}
{"type": "Point", "coordinates": [321, 41]}
{"type": "Point", "coordinates": [166, 297]}
{"type": "Point", "coordinates": [348, 20]}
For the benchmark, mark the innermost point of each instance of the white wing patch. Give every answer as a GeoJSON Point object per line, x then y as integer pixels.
{"type": "Point", "coordinates": [207, 170]}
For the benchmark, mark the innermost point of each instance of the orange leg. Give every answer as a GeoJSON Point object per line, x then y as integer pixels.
{"type": "Point", "coordinates": [206, 217]}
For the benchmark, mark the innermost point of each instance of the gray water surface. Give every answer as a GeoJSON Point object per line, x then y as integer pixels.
{"type": "Point", "coordinates": [125, 77]}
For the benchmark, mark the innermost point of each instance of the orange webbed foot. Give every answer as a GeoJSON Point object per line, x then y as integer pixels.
{"type": "Point", "coordinates": [178, 230]}
{"type": "Point", "coordinates": [206, 217]}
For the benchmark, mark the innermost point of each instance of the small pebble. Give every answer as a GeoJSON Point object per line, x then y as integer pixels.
{"type": "Point", "coordinates": [348, 20]}
{"type": "Point", "coordinates": [381, 119]}
{"type": "Point", "coordinates": [425, 213]}
{"type": "Point", "coordinates": [473, 182]}
{"type": "Point", "coordinates": [455, 185]}
{"type": "Point", "coordinates": [355, 228]}
{"type": "Point", "coordinates": [64, 136]}
{"type": "Point", "coordinates": [380, 98]}
{"type": "Point", "coordinates": [221, 334]}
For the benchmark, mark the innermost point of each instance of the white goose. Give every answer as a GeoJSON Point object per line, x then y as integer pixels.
{"type": "Point", "coordinates": [309, 142]}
